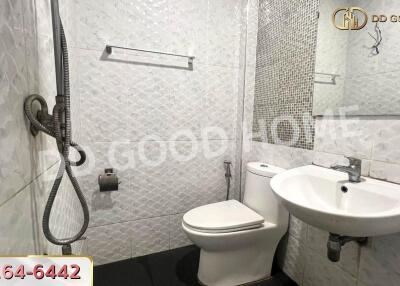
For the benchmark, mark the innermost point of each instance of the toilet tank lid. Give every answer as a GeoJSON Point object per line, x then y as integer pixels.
{"type": "Point", "coordinates": [263, 169]}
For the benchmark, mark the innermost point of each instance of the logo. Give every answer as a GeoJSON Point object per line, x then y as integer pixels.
{"type": "Point", "coordinates": [352, 18]}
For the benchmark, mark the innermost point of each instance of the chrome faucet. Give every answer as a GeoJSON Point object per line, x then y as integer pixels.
{"type": "Point", "coordinates": [354, 169]}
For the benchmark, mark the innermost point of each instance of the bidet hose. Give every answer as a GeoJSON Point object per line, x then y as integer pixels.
{"type": "Point", "coordinates": [228, 176]}
{"type": "Point", "coordinates": [61, 131]}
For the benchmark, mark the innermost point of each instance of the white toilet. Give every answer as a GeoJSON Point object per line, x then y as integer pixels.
{"type": "Point", "coordinates": [238, 240]}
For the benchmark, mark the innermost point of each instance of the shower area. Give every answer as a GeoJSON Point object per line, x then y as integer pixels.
{"type": "Point", "coordinates": [165, 126]}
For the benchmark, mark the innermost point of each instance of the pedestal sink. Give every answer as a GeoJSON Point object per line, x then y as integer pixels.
{"type": "Point", "coordinates": [326, 199]}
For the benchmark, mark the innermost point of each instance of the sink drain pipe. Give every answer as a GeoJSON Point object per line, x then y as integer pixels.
{"type": "Point", "coordinates": [335, 243]}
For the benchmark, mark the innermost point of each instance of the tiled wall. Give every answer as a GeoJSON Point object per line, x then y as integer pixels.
{"type": "Point", "coordinates": [28, 165]}
{"type": "Point", "coordinates": [129, 103]}
{"type": "Point", "coordinates": [367, 81]}
{"type": "Point", "coordinates": [302, 254]}
{"type": "Point", "coordinates": [331, 58]}
{"type": "Point", "coordinates": [374, 77]}
{"type": "Point", "coordinates": [287, 35]}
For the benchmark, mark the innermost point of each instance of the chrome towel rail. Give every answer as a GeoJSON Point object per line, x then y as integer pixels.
{"type": "Point", "coordinates": [110, 48]}
{"type": "Point", "coordinates": [330, 76]}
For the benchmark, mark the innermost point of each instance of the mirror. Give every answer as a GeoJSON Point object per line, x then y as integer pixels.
{"type": "Point", "coordinates": [357, 70]}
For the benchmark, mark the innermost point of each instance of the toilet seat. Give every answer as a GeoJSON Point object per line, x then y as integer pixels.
{"type": "Point", "coordinates": [222, 217]}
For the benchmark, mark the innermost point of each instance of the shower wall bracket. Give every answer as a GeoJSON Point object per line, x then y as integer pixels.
{"type": "Point", "coordinates": [46, 120]}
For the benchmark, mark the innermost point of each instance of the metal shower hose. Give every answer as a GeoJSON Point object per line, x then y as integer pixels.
{"type": "Point", "coordinates": [59, 126]}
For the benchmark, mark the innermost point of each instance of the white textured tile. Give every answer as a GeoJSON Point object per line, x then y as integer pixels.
{"type": "Point", "coordinates": [277, 155]}
{"type": "Point", "coordinates": [32, 63]}
{"type": "Point", "coordinates": [176, 176]}
{"type": "Point", "coordinates": [152, 180]}
{"type": "Point", "coordinates": [150, 101]}
{"type": "Point", "coordinates": [11, 14]}
{"type": "Point", "coordinates": [351, 137]}
{"type": "Point", "coordinates": [150, 236]}
{"type": "Point", "coordinates": [389, 60]}
{"type": "Point", "coordinates": [328, 97]}
{"type": "Point", "coordinates": [201, 181]}
{"type": "Point", "coordinates": [19, 236]}
{"type": "Point", "coordinates": [43, 18]}
{"type": "Point", "coordinates": [164, 102]}
{"type": "Point", "coordinates": [15, 162]}
{"type": "Point", "coordinates": [298, 228]}
{"type": "Point", "coordinates": [252, 30]}
{"type": "Point", "coordinates": [188, 28]}
{"type": "Point", "coordinates": [385, 171]}
{"type": "Point", "coordinates": [387, 142]}
{"type": "Point", "coordinates": [144, 24]}
{"type": "Point", "coordinates": [107, 207]}
{"type": "Point", "coordinates": [178, 237]}
{"type": "Point", "coordinates": [224, 33]}
{"type": "Point", "coordinates": [379, 264]}
{"type": "Point", "coordinates": [293, 259]}
{"type": "Point", "coordinates": [43, 151]}
{"type": "Point", "coordinates": [109, 243]}
{"type": "Point", "coordinates": [23, 156]}
{"type": "Point", "coordinates": [377, 94]}
{"type": "Point", "coordinates": [28, 12]}
{"type": "Point", "coordinates": [99, 23]}
{"type": "Point", "coordinates": [328, 159]}
{"type": "Point", "coordinates": [301, 157]}
{"type": "Point", "coordinates": [320, 271]}
{"type": "Point", "coordinates": [102, 105]}
{"type": "Point", "coordinates": [317, 239]}
{"type": "Point", "coordinates": [221, 100]}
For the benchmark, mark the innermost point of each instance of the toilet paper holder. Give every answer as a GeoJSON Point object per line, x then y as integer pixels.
{"type": "Point", "coordinates": [108, 182]}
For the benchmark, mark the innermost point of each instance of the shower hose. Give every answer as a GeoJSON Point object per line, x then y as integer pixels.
{"type": "Point", "coordinates": [58, 126]}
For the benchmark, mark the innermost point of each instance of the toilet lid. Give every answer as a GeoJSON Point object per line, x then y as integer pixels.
{"type": "Point", "coordinates": [227, 215]}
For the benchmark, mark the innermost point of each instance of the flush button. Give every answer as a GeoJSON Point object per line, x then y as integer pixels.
{"type": "Point", "coordinates": [264, 166]}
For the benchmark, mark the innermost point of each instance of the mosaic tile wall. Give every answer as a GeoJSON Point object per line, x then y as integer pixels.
{"type": "Point", "coordinates": [284, 73]}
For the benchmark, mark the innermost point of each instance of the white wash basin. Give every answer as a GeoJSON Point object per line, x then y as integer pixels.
{"type": "Point", "coordinates": [314, 195]}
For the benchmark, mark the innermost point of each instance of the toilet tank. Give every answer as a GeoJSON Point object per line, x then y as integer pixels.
{"type": "Point", "coordinates": [258, 194]}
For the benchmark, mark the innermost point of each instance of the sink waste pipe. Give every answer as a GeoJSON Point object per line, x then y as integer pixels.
{"type": "Point", "coordinates": [336, 242]}
{"type": "Point", "coordinates": [58, 125]}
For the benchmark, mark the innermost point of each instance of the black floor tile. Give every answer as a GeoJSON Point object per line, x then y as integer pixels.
{"type": "Point", "coordinates": [279, 279]}
{"type": "Point", "coordinates": [177, 267]}
{"type": "Point", "coordinates": [186, 263]}
{"type": "Point", "coordinates": [152, 270]}
{"type": "Point", "coordinates": [118, 273]}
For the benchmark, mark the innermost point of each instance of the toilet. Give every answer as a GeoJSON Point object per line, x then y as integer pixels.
{"type": "Point", "coordinates": [238, 240]}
